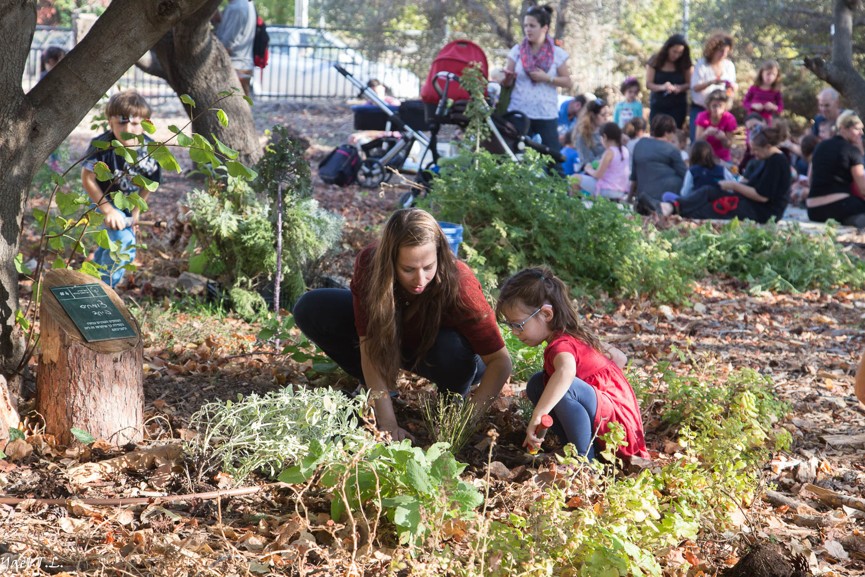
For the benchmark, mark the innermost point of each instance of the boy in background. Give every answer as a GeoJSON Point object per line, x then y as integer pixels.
{"type": "Point", "coordinates": [125, 111]}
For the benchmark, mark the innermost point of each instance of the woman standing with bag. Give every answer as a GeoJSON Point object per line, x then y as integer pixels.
{"type": "Point", "coordinates": [537, 67]}
{"type": "Point", "coordinates": [412, 306]}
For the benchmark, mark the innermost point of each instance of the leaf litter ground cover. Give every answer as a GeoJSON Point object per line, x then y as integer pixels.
{"type": "Point", "coordinates": [807, 343]}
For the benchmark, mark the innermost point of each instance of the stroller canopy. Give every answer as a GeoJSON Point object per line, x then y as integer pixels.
{"type": "Point", "coordinates": [454, 57]}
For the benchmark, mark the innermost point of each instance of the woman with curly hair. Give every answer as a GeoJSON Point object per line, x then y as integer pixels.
{"type": "Point", "coordinates": [668, 77]}
{"type": "Point", "coordinates": [412, 306]}
{"type": "Point", "coordinates": [714, 71]}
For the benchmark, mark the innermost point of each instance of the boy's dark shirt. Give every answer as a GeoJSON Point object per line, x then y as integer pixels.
{"type": "Point", "coordinates": [123, 172]}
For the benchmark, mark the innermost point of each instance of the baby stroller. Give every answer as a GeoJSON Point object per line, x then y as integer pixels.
{"type": "Point", "coordinates": [446, 101]}
{"type": "Point", "coordinates": [387, 152]}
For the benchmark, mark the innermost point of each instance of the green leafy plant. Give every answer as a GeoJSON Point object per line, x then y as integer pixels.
{"type": "Point", "coordinates": [770, 257]}
{"type": "Point", "coordinates": [595, 521]}
{"type": "Point", "coordinates": [267, 433]}
{"type": "Point", "coordinates": [527, 360]}
{"type": "Point", "coordinates": [515, 215]}
{"type": "Point", "coordinates": [417, 490]}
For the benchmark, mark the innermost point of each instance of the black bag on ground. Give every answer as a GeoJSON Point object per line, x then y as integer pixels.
{"type": "Point", "coordinates": [340, 166]}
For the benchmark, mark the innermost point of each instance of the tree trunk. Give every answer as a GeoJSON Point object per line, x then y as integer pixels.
{"type": "Point", "coordinates": [839, 71]}
{"type": "Point", "coordinates": [32, 125]}
{"type": "Point", "coordinates": [97, 387]}
{"type": "Point", "coordinates": [193, 61]}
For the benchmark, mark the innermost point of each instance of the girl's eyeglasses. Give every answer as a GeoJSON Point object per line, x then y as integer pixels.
{"type": "Point", "coordinates": [518, 327]}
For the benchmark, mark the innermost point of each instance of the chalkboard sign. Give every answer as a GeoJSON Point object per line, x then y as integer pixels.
{"type": "Point", "coordinates": [93, 313]}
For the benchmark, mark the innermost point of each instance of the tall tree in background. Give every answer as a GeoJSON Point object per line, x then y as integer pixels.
{"type": "Point", "coordinates": [839, 70]}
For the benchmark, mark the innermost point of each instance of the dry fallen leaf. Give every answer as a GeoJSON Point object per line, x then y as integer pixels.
{"type": "Point", "coordinates": [18, 450]}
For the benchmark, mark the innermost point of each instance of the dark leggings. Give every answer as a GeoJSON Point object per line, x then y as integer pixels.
{"type": "Point", "coordinates": [326, 317]}
{"type": "Point", "coordinates": [574, 415]}
{"type": "Point", "coordinates": [692, 120]}
{"type": "Point", "coordinates": [849, 211]}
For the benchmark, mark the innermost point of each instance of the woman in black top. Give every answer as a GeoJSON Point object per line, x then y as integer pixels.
{"type": "Point", "coordinates": [668, 77]}
{"type": "Point", "coordinates": [760, 198]}
{"type": "Point", "coordinates": [838, 177]}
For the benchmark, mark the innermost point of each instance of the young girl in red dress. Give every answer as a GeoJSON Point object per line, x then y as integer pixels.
{"type": "Point", "coordinates": [582, 388]}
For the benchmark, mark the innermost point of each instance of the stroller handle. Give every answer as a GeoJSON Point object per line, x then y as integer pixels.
{"type": "Point", "coordinates": [448, 77]}
{"type": "Point", "coordinates": [342, 70]}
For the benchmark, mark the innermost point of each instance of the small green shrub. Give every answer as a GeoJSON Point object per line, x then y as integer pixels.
{"type": "Point", "coordinates": [234, 225]}
{"type": "Point", "coordinates": [632, 520]}
{"type": "Point", "coordinates": [516, 215]}
{"type": "Point", "coordinates": [418, 490]}
{"type": "Point", "coordinates": [267, 433]}
{"type": "Point", "coordinates": [769, 257]}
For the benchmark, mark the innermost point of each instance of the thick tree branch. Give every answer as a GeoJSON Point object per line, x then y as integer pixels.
{"type": "Point", "coordinates": [102, 56]}
{"type": "Point", "coordinates": [839, 71]}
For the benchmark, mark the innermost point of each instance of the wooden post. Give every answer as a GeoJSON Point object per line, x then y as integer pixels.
{"type": "Point", "coordinates": [98, 386]}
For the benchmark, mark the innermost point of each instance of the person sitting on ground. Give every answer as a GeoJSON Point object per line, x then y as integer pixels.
{"type": "Point", "coordinates": [412, 306]}
{"type": "Point", "coordinates": [236, 31]}
{"type": "Point", "coordinates": [125, 112]}
{"type": "Point", "coordinates": [716, 125]}
{"type": "Point", "coordinates": [837, 175]}
{"type": "Point", "coordinates": [800, 189]}
{"type": "Point", "coordinates": [829, 106]}
{"type": "Point", "coordinates": [569, 112]}
{"type": "Point", "coordinates": [760, 198]}
{"type": "Point", "coordinates": [587, 135]}
{"type": "Point", "coordinates": [582, 386]}
{"type": "Point", "coordinates": [635, 131]}
{"type": "Point", "coordinates": [610, 179]}
{"type": "Point", "coordinates": [656, 165]}
{"type": "Point", "coordinates": [754, 123]}
{"type": "Point", "coordinates": [572, 158]}
{"type": "Point", "coordinates": [704, 170]}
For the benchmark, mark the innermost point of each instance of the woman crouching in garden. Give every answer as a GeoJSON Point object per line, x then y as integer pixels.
{"type": "Point", "coordinates": [413, 306]}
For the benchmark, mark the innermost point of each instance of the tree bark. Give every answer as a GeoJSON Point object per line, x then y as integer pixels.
{"type": "Point", "coordinates": [839, 71]}
{"type": "Point", "coordinates": [32, 125]}
{"type": "Point", "coordinates": [194, 62]}
{"type": "Point", "coordinates": [97, 387]}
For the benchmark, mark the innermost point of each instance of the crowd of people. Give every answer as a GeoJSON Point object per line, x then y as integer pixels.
{"type": "Point", "coordinates": [683, 159]}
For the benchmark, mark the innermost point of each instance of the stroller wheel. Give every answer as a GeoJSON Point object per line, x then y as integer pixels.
{"type": "Point", "coordinates": [372, 173]}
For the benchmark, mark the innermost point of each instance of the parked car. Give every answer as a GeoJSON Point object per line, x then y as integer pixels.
{"type": "Point", "coordinates": [301, 65]}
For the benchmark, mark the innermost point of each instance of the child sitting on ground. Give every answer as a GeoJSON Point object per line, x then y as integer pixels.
{"type": "Point", "coordinates": [125, 112]}
{"type": "Point", "coordinates": [611, 179]}
{"type": "Point", "coordinates": [581, 388]}
{"type": "Point", "coordinates": [704, 170]}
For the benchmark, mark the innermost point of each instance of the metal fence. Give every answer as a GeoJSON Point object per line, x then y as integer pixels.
{"type": "Point", "coordinates": [300, 66]}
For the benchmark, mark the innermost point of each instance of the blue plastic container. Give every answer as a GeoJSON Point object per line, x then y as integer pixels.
{"type": "Point", "coordinates": [454, 234]}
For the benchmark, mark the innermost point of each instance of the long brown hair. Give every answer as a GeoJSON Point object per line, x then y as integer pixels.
{"type": "Point", "coordinates": [585, 127]}
{"type": "Point", "coordinates": [535, 287]}
{"type": "Point", "coordinates": [407, 228]}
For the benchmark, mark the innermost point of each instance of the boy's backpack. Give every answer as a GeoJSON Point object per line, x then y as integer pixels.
{"type": "Point", "coordinates": [340, 166]}
{"type": "Point", "coordinates": [260, 51]}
